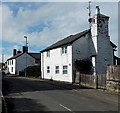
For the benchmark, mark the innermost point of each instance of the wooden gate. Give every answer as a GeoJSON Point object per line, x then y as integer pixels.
{"type": "Point", "coordinates": [93, 81]}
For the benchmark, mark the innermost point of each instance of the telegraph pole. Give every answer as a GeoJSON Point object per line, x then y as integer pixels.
{"type": "Point", "coordinates": [26, 57]}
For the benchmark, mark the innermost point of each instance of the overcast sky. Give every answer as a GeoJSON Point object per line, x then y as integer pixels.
{"type": "Point", "coordinates": [44, 23]}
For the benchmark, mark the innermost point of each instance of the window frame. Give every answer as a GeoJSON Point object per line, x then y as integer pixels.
{"type": "Point", "coordinates": [48, 69]}
{"type": "Point", "coordinates": [64, 50]}
{"type": "Point", "coordinates": [48, 53]}
{"type": "Point", "coordinates": [65, 69]}
{"type": "Point", "coordinates": [57, 69]}
{"type": "Point", "coordinates": [12, 62]}
{"type": "Point", "coordinates": [11, 69]}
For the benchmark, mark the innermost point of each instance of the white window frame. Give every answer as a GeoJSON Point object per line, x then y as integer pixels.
{"type": "Point", "coordinates": [57, 69]}
{"type": "Point", "coordinates": [12, 62]}
{"type": "Point", "coordinates": [11, 69]}
{"type": "Point", "coordinates": [48, 69]}
{"type": "Point", "coordinates": [65, 69]}
{"type": "Point", "coordinates": [64, 50]}
{"type": "Point", "coordinates": [48, 53]}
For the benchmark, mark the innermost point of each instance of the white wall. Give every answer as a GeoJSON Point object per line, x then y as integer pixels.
{"type": "Point", "coordinates": [57, 59]}
{"type": "Point", "coordinates": [101, 40]}
{"type": "Point", "coordinates": [10, 66]}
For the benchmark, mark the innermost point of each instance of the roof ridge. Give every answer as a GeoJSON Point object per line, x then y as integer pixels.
{"type": "Point", "coordinates": [68, 40]}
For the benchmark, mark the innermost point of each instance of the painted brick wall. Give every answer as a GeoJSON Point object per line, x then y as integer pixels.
{"type": "Point", "coordinates": [101, 40]}
{"type": "Point", "coordinates": [57, 59]}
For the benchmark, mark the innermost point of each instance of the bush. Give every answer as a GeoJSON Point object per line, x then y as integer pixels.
{"type": "Point", "coordinates": [84, 66]}
{"type": "Point", "coordinates": [33, 71]}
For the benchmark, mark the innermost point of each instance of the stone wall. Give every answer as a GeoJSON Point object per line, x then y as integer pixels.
{"type": "Point", "coordinates": [109, 81]}
{"type": "Point", "coordinates": [113, 78]}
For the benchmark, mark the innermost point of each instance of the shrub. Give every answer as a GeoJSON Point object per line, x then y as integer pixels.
{"type": "Point", "coordinates": [84, 66]}
{"type": "Point", "coordinates": [33, 71]}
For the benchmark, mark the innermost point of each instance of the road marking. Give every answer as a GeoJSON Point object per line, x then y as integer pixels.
{"type": "Point", "coordinates": [66, 108]}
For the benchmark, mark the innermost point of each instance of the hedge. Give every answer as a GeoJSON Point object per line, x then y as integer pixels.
{"type": "Point", "coordinates": [33, 71]}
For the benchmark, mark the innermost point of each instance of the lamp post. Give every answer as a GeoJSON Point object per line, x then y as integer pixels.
{"type": "Point", "coordinates": [26, 57]}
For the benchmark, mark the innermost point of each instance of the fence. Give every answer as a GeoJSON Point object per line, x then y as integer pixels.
{"type": "Point", "coordinates": [109, 81]}
{"type": "Point", "coordinates": [113, 78]}
{"type": "Point", "coordinates": [101, 81]}
{"type": "Point", "coordinates": [93, 81]}
{"type": "Point", "coordinates": [113, 73]}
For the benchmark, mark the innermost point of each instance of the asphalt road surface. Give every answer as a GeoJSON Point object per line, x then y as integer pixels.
{"type": "Point", "coordinates": [23, 95]}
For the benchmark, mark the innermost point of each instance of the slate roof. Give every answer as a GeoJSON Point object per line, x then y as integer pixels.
{"type": "Point", "coordinates": [34, 55]}
{"type": "Point", "coordinates": [113, 45]}
{"type": "Point", "coordinates": [14, 57]}
{"type": "Point", "coordinates": [69, 40]}
{"type": "Point", "coordinates": [66, 41]}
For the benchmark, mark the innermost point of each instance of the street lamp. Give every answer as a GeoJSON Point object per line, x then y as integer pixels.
{"type": "Point", "coordinates": [26, 57]}
{"type": "Point", "coordinates": [26, 40]}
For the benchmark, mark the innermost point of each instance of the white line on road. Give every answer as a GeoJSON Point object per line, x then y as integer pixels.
{"type": "Point", "coordinates": [66, 108]}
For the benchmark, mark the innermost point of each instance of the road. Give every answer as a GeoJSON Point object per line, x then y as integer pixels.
{"type": "Point", "coordinates": [24, 95]}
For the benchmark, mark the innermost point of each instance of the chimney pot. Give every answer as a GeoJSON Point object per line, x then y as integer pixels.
{"type": "Point", "coordinates": [97, 10]}
{"type": "Point", "coordinates": [14, 52]}
{"type": "Point", "coordinates": [18, 52]}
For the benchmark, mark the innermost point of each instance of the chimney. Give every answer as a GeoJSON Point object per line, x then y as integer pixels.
{"type": "Point", "coordinates": [18, 52]}
{"type": "Point", "coordinates": [14, 52]}
{"type": "Point", "coordinates": [97, 10]}
{"type": "Point", "coordinates": [25, 49]}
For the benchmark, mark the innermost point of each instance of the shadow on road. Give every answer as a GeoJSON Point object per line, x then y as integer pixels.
{"type": "Point", "coordinates": [17, 85]}
{"type": "Point", "coordinates": [23, 105]}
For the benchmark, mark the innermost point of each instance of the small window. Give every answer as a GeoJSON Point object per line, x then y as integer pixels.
{"type": "Point", "coordinates": [12, 62]}
{"type": "Point", "coordinates": [57, 69]}
{"type": "Point", "coordinates": [65, 69]}
{"type": "Point", "coordinates": [11, 69]}
{"type": "Point", "coordinates": [8, 62]}
{"type": "Point", "coordinates": [48, 53]}
{"type": "Point", "coordinates": [64, 50]}
{"type": "Point", "coordinates": [48, 69]}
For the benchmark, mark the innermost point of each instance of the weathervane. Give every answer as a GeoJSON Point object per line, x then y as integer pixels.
{"type": "Point", "coordinates": [89, 8]}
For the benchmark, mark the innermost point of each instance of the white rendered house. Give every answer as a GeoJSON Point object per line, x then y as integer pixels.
{"type": "Point", "coordinates": [20, 60]}
{"type": "Point", "coordinates": [58, 60]}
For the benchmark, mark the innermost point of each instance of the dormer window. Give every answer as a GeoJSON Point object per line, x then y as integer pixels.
{"type": "Point", "coordinates": [64, 50]}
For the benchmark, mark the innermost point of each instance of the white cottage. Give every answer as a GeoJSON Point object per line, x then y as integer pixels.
{"type": "Point", "coordinates": [93, 46]}
{"type": "Point", "coordinates": [20, 60]}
